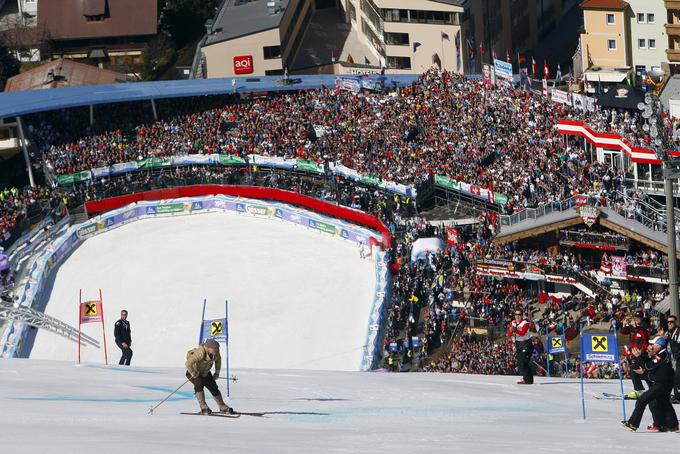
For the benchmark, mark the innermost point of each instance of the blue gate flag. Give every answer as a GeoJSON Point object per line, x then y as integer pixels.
{"type": "Point", "coordinates": [599, 348]}
{"type": "Point", "coordinates": [214, 329]}
{"type": "Point", "coordinates": [556, 344]}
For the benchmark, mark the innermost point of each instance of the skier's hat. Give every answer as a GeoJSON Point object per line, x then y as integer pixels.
{"type": "Point", "coordinates": [658, 340]}
{"type": "Point", "coordinates": [211, 343]}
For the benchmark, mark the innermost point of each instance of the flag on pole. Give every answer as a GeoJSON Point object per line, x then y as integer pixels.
{"type": "Point", "coordinates": [546, 70]}
{"type": "Point", "coordinates": [507, 56]}
{"type": "Point", "coordinates": [436, 60]}
{"type": "Point", "coordinates": [457, 41]}
{"type": "Point", "coordinates": [216, 329]}
{"type": "Point", "coordinates": [521, 59]}
{"type": "Point", "coordinates": [416, 45]}
{"type": "Point", "coordinates": [534, 67]}
{"type": "Point", "coordinates": [482, 50]}
{"type": "Point", "coordinates": [493, 54]}
{"type": "Point", "coordinates": [445, 36]}
{"type": "Point", "coordinates": [471, 54]}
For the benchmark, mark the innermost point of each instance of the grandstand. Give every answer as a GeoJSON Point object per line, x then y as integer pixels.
{"type": "Point", "coordinates": [539, 206]}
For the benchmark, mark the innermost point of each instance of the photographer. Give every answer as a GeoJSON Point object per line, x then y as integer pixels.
{"type": "Point", "coordinates": [672, 335]}
{"type": "Point", "coordinates": [660, 373]}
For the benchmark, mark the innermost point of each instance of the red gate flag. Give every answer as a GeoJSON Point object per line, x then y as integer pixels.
{"type": "Point", "coordinates": [90, 312]}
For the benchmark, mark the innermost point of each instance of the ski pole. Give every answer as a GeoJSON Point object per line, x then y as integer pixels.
{"type": "Point", "coordinates": [167, 397]}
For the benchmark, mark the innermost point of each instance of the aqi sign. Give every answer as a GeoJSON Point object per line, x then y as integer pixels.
{"type": "Point", "coordinates": [243, 64]}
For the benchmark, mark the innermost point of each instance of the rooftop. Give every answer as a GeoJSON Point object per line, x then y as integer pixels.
{"type": "Point", "coordinates": [245, 17]}
{"type": "Point", "coordinates": [63, 73]}
{"type": "Point", "coordinates": [76, 19]}
{"type": "Point", "coordinates": [604, 4]}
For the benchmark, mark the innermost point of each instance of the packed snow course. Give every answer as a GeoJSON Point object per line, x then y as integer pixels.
{"type": "Point", "coordinates": [59, 407]}
{"type": "Point", "coordinates": [298, 299]}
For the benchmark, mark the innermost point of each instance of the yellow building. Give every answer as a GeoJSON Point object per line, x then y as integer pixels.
{"type": "Point", "coordinates": [605, 45]}
{"type": "Point", "coordinates": [605, 42]}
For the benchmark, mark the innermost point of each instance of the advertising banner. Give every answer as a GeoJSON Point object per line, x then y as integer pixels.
{"type": "Point", "coordinates": [560, 96]}
{"type": "Point", "coordinates": [100, 172]}
{"type": "Point", "coordinates": [272, 161]}
{"type": "Point", "coordinates": [486, 74]}
{"type": "Point", "coordinates": [230, 159]}
{"type": "Point", "coordinates": [503, 69]}
{"type": "Point", "coordinates": [308, 166]}
{"type": "Point", "coordinates": [619, 266]}
{"type": "Point", "coordinates": [475, 191]}
{"type": "Point", "coordinates": [190, 159]}
{"type": "Point", "coordinates": [348, 84]}
{"type": "Point", "coordinates": [215, 329]}
{"type": "Point", "coordinates": [599, 348]}
{"type": "Point", "coordinates": [90, 312]}
{"type": "Point", "coordinates": [154, 163]}
{"type": "Point", "coordinates": [72, 178]}
{"type": "Point", "coordinates": [123, 167]}
{"type": "Point", "coordinates": [556, 344]}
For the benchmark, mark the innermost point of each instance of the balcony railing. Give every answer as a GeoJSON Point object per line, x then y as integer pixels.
{"type": "Point", "coordinates": [673, 29]}
{"type": "Point", "coordinates": [535, 213]}
{"type": "Point", "coordinates": [673, 54]}
{"type": "Point", "coordinates": [595, 240]}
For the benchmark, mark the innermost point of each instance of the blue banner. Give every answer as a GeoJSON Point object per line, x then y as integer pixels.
{"type": "Point", "coordinates": [556, 344]}
{"type": "Point", "coordinates": [216, 329]}
{"type": "Point", "coordinates": [599, 348]}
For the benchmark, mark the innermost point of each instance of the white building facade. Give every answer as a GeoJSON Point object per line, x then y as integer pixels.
{"type": "Point", "coordinates": [648, 38]}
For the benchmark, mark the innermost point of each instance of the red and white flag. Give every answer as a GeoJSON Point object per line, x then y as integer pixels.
{"type": "Point", "coordinates": [546, 70]}
{"type": "Point", "coordinates": [451, 236]}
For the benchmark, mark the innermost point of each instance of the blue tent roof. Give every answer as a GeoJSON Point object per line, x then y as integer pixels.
{"type": "Point", "coordinates": [30, 101]}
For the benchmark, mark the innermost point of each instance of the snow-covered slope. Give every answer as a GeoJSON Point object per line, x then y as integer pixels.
{"type": "Point", "coordinates": [297, 298]}
{"type": "Point", "coordinates": [57, 407]}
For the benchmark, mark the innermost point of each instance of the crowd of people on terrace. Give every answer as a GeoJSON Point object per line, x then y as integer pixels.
{"type": "Point", "coordinates": [494, 137]}
{"type": "Point", "coordinates": [14, 204]}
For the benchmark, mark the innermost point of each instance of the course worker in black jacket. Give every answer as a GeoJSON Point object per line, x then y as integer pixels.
{"type": "Point", "coordinates": [122, 333]}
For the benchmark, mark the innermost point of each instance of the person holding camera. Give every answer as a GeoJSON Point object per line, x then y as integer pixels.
{"type": "Point", "coordinates": [672, 335]}
{"type": "Point", "coordinates": [660, 373]}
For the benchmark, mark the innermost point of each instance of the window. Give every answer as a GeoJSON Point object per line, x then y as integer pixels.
{"type": "Point", "coordinates": [650, 18]}
{"type": "Point", "coordinates": [611, 44]}
{"type": "Point", "coordinates": [652, 44]}
{"type": "Point", "coordinates": [397, 39]}
{"type": "Point", "coordinates": [642, 43]}
{"type": "Point", "coordinates": [641, 18]}
{"type": "Point", "coordinates": [271, 52]}
{"type": "Point", "coordinates": [399, 62]}
{"type": "Point", "coordinates": [610, 19]}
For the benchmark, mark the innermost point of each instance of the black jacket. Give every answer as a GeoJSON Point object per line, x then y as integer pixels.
{"type": "Point", "coordinates": [659, 367]}
{"type": "Point", "coordinates": [122, 332]}
{"type": "Point", "coordinates": [673, 337]}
